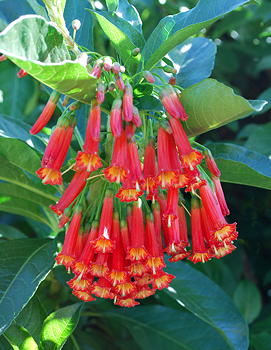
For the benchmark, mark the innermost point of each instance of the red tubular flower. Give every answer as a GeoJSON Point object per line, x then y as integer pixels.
{"type": "Point", "coordinates": [117, 274]}
{"type": "Point", "coordinates": [102, 289]}
{"type": "Point", "coordinates": [199, 249]}
{"type": "Point", "coordinates": [136, 117]}
{"type": "Point", "coordinates": [172, 103]}
{"type": "Point", "coordinates": [170, 213]}
{"type": "Point", "coordinates": [149, 77]}
{"type": "Point", "coordinates": [190, 158]}
{"type": "Point", "coordinates": [135, 166]}
{"type": "Point", "coordinates": [97, 69]}
{"type": "Point", "coordinates": [120, 83]}
{"type": "Point", "coordinates": [220, 196]}
{"type": "Point", "coordinates": [126, 302]}
{"type": "Point", "coordinates": [103, 244]}
{"type": "Point", "coordinates": [94, 124]}
{"type": "Point", "coordinates": [137, 251]}
{"type": "Point", "coordinates": [149, 183]}
{"type": "Point", "coordinates": [116, 118]}
{"type": "Point", "coordinates": [124, 289]}
{"type": "Point", "coordinates": [100, 93]}
{"type": "Point", "coordinates": [117, 171]}
{"type": "Point", "coordinates": [221, 229]}
{"type": "Point", "coordinates": [81, 266]}
{"type": "Point", "coordinates": [162, 280]}
{"type": "Point", "coordinates": [125, 238]}
{"type": "Point", "coordinates": [130, 129]}
{"type": "Point", "coordinates": [80, 284]}
{"type": "Point", "coordinates": [56, 151]}
{"type": "Point", "coordinates": [72, 191]}
{"type": "Point", "coordinates": [129, 192]}
{"type": "Point", "coordinates": [128, 103]}
{"type": "Point", "coordinates": [99, 267]}
{"type": "Point", "coordinates": [22, 73]}
{"type": "Point", "coordinates": [67, 255]}
{"type": "Point", "coordinates": [155, 261]}
{"type": "Point", "coordinates": [157, 224]}
{"type": "Point", "coordinates": [167, 174]}
{"type": "Point", "coordinates": [82, 295]}
{"type": "Point", "coordinates": [172, 81]}
{"type": "Point", "coordinates": [211, 164]}
{"type": "Point", "coordinates": [46, 114]}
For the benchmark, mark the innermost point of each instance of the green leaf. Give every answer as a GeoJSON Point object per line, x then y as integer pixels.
{"type": "Point", "coordinates": [23, 207]}
{"type": "Point", "coordinates": [208, 302]}
{"type": "Point", "coordinates": [260, 341]}
{"type": "Point", "coordinates": [50, 62]}
{"type": "Point", "coordinates": [78, 10]}
{"type": "Point", "coordinates": [173, 30]}
{"type": "Point", "coordinates": [59, 325]}
{"type": "Point", "coordinates": [24, 264]}
{"type": "Point", "coordinates": [16, 93]}
{"type": "Point", "coordinates": [10, 232]}
{"type": "Point", "coordinates": [14, 175]}
{"type": "Point", "coordinates": [19, 154]}
{"type": "Point", "coordinates": [112, 5]}
{"type": "Point", "coordinates": [123, 35]}
{"type": "Point", "coordinates": [15, 191]}
{"type": "Point", "coordinates": [259, 139]}
{"type": "Point", "coordinates": [128, 12]}
{"type": "Point", "coordinates": [242, 166]}
{"type": "Point", "coordinates": [211, 104]}
{"type": "Point", "coordinates": [248, 300]}
{"type": "Point", "coordinates": [159, 327]}
{"type": "Point", "coordinates": [195, 60]}
{"type": "Point", "coordinates": [266, 95]}
{"type": "Point", "coordinates": [20, 339]}
{"type": "Point", "coordinates": [31, 318]}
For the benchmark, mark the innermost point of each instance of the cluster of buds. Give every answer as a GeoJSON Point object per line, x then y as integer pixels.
{"type": "Point", "coordinates": [116, 248]}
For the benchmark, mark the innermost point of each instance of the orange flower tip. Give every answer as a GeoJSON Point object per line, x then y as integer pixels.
{"type": "Point", "coordinates": [144, 293]}
{"type": "Point", "coordinates": [199, 257]}
{"type": "Point", "coordinates": [128, 195]}
{"type": "Point", "coordinates": [50, 176]}
{"type": "Point", "coordinates": [124, 289]}
{"type": "Point", "coordinates": [116, 277]}
{"type": "Point", "coordinates": [127, 302]}
{"type": "Point", "coordinates": [167, 179]}
{"type": "Point", "coordinates": [162, 281]}
{"type": "Point", "coordinates": [79, 268]}
{"type": "Point", "coordinates": [102, 292]}
{"type": "Point", "coordinates": [79, 284]}
{"type": "Point", "coordinates": [195, 185]}
{"type": "Point", "coordinates": [179, 256]}
{"type": "Point", "coordinates": [98, 270]}
{"type": "Point", "coordinates": [65, 260]}
{"type": "Point", "coordinates": [137, 269]}
{"type": "Point", "coordinates": [144, 281]}
{"type": "Point", "coordinates": [227, 231]}
{"type": "Point", "coordinates": [137, 254]}
{"type": "Point", "coordinates": [89, 162]}
{"type": "Point", "coordinates": [175, 248]}
{"type": "Point", "coordinates": [103, 245]}
{"type": "Point", "coordinates": [115, 174]}
{"type": "Point", "coordinates": [191, 160]}
{"type": "Point", "coordinates": [85, 296]}
{"type": "Point", "coordinates": [56, 209]}
{"type": "Point", "coordinates": [155, 264]}
{"type": "Point", "coordinates": [220, 252]}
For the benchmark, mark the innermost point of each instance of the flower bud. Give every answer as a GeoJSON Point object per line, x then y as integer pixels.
{"type": "Point", "coordinates": [120, 82]}
{"type": "Point", "coordinates": [169, 69]}
{"type": "Point", "coordinates": [116, 68]}
{"type": "Point", "coordinates": [149, 77]}
{"type": "Point", "coordinates": [22, 73]}
{"type": "Point", "coordinates": [76, 24]}
{"type": "Point", "coordinates": [107, 61]}
{"type": "Point", "coordinates": [3, 58]}
{"type": "Point", "coordinates": [172, 81]}
{"type": "Point", "coordinates": [100, 93]}
{"type": "Point", "coordinates": [135, 51]}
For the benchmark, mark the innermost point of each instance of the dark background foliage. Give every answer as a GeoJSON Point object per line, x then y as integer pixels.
{"type": "Point", "coordinates": [243, 61]}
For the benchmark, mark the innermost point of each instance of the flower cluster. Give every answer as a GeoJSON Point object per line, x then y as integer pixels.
{"type": "Point", "coordinates": [134, 189]}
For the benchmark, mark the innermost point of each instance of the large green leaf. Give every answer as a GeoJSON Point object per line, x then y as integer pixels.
{"type": "Point", "coordinates": [24, 264]}
{"type": "Point", "coordinates": [201, 296]}
{"type": "Point", "coordinates": [195, 60]}
{"type": "Point", "coordinates": [123, 35]}
{"type": "Point", "coordinates": [10, 232]}
{"type": "Point", "coordinates": [210, 104]}
{"type": "Point", "coordinates": [31, 318]}
{"type": "Point", "coordinates": [59, 325]}
{"type": "Point", "coordinates": [36, 46]}
{"type": "Point", "coordinates": [20, 339]}
{"type": "Point", "coordinates": [173, 30]}
{"type": "Point", "coordinates": [248, 300]}
{"type": "Point", "coordinates": [242, 166]}
{"type": "Point", "coordinates": [160, 327]}
{"type": "Point", "coordinates": [19, 96]}
{"type": "Point", "coordinates": [14, 175]}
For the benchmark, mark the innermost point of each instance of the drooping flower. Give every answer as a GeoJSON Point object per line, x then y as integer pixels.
{"type": "Point", "coordinates": [172, 103]}
{"type": "Point", "coordinates": [116, 118]}
{"type": "Point", "coordinates": [128, 103]}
